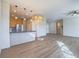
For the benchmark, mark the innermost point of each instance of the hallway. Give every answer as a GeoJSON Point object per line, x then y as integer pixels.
{"type": "Point", "coordinates": [51, 46]}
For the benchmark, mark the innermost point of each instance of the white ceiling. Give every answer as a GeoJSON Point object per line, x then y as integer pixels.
{"type": "Point", "coordinates": [51, 9]}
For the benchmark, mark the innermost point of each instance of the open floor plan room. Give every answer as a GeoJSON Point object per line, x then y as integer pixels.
{"type": "Point", "coordinates": [39, 28]}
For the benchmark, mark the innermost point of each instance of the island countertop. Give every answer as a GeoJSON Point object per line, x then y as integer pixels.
{"type": "Point", "coordinates": [22, 37]}
{"type": "Point", "coordinates": [23, 32]}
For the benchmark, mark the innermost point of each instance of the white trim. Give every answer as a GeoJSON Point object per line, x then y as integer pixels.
{"type": "Point", "coordinates": [0, 51]}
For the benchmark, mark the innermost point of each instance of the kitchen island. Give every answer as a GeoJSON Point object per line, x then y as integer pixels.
{"type": "Point", "coordinates": [21, 37]}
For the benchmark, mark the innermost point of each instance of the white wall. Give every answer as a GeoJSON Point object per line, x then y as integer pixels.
{"type": "Point", "coordinates": [47, 28]}
{"type": "Point", "coordinates": [52, 27]}
{"type": "Point", "coordinates": [0, 23]}
{"type": "Point", "coordinates": [71, 26]}
{"type": "Point", "coordinates": [40, 28]}
{"type": "Point", "coordinates": [4, 24]}
{"type": "Point", "coordinates": [0, 9]}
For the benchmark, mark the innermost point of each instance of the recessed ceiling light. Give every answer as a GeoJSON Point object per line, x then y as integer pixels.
{"type": "Point", "coordinates": [31, 20]}
{"type": "Point", "coordinates": [16, 17]}
{"type": "Point", "coordinates": [14, 11]}
{"type": "Point", "coordinates": [24, 19]}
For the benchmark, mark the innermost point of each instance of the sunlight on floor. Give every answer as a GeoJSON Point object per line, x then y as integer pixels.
{"type": "Point", "coordinates": [41, 39]}
{"type": "Point", "coordinates": [66, 52]}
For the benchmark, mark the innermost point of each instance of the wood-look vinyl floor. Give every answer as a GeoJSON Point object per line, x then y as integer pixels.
{"type": "Point", "coordinates": [50, 46]}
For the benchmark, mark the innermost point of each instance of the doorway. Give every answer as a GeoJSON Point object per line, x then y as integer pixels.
{"type": "Point", "coordinates": [59, 27]}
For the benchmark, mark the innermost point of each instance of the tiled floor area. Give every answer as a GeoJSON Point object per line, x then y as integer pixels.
{"type": "Point", "coordinates": [51, 46]}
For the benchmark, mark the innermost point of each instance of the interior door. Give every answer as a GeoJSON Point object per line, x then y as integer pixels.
{"type": "Point", "coordinates": [59, 27]}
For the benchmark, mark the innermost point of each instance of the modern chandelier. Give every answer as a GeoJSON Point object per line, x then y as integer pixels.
{"type": "Point", "coordinates": [26, 13]}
